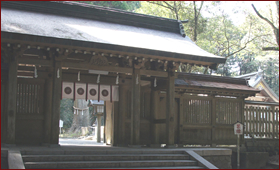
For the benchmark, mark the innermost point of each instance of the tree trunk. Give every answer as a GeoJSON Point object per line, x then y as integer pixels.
{"type": "Point", "coordinates": [81, 118]}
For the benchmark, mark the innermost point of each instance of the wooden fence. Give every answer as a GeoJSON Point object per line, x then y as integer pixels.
{"type": "Point", "coordinates": [261, 122]}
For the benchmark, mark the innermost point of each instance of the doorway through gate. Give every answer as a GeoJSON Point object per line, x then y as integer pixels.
{"type": "Point", "coordinates": [82, 122]}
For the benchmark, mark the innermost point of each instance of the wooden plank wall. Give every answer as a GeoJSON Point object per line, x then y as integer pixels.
{"type": "Point", "coordinates": [261, 122]}
{"type": "Point", "coordinates": [145, 123]}
{"type": "Point", "coordinates": [30, 111]}
{"type": "Point", "coordinates": [3, 106]}
{"type": "Point", "coordinates": [197, 113]}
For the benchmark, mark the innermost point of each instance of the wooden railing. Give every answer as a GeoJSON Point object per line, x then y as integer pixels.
{"type": "Point", "coordinates": [261, 122]}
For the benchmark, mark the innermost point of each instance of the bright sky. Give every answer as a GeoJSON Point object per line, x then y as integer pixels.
{"type": "Point", "coordinates": [231, 6]}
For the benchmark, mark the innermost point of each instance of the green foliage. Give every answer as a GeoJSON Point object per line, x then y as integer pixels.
{"type": "Point", "coordinates": [123, 5]}
{"type": "Point", "coordinates": [66, 112]}
{"type": "Point", "coordinates": [216, 33]}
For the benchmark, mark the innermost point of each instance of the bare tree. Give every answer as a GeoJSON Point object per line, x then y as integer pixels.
{"type": "Point", "coordinates": [275, 29]}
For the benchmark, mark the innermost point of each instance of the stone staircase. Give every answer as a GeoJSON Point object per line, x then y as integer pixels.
{"type": "Point", "coordinates": [112, 159]}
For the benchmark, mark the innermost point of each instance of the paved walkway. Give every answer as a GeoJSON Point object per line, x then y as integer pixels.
{"type": "Point", "coordinates": [79, 142]}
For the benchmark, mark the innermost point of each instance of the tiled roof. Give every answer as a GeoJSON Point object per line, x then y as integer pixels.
{"type": "Point", "coordinates": [49, 22]}
{"type": "Point", "coordinates": [208, 81]}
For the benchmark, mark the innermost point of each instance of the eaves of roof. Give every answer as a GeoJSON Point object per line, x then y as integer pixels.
{"type": "Point", "coordinates": [52, 41]}
{"type": "Point", "coordinates": [205, 77]}
{"type": "Point", "coordinates": [45, 22]}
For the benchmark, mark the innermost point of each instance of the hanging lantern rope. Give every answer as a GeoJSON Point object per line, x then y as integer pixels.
{"type": "Point", "coordinates": [35, 72]}
{"type": "Point", "coordinates": [117, 79]}
{"type": "Point", "coordinates": [137, 82]}
{"type": "Point", "coordinates": [58, 73]}
{"type": "Point", "coordinates": [79, 74]}
{"type": "Point", "coordinates": [98, 78]}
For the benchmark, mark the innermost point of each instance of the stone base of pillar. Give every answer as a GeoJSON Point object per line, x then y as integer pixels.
{"type": "Point", "coordinates": [180, 145]}
{"type": "Point", "coordinates": [46, 144]}
{"type": "Point", "coordinates": [54, 145]}
{"type": "Point", "coordinates": [213, 145]}
{"type": "Point", "coordinates": [8, 145]}
{"type": "Point", "coordinates": [171, 146]}
{"type": "Point", "coordinates": [135, 146]}
{"type": "Point", "coordinates": [155, 145]}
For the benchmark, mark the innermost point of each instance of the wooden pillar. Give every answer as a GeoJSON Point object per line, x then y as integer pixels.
{"type": "Point", "coordinates": [115, 129]}
{"type": "Point", "coordinates": [12, 99]}
{"type": "Point", "coordinates": [122, 114]}
{"type": "Point", "coordinates": [109, 126]}
{"type": "Point", "coordinates": [213, 121]}
{"type": "Point", "coordinates": [48, 109]}
{"type": "Point", "coordinates": [4, 106]}
{"type": "Point", "coordinates": [135, 106]}
{"type": "Point", "coordinates": [154, 110]}
{"type": "Point", "coordinates": [56, 97]}
{"type": "Point", "coordinates": [170, 109]}
{"type": "Point", "coordinates": [99, 127]}
{"type": "Point", "coordinates": [242, 119]}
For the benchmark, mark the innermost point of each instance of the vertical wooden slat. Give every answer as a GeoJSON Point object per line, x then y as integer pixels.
{"type": "Point", "coordinates": [273, 122]}
{"type": "Point", "coordinates": [190, 111]}
{"type": "Point", "coordinates": [32, 98]}
{"type": "Point", "coordinates": [213, 122]}
{"type": "Point", "coordinates": [277, 123]}
{"type": "Point", "coordinates": [267, 123]}
{"type": "Point", "coordinates": [257, 117]}
{"type": "Point", "coordinates": [35, 98]}
{"type": "Point", "coordinates": [270, 121]}
{"type": "Point", "coordinates": [262, 122]}
{"type": "Point", "coordinates": [20, 98]}
{"type": "Point", "coordinates": [29, 98]}
{"type": "Point", "coordinates": [252, 120]}
{"type": "Point", "coordinates": [247, 121]}
{"type": "Point", "coordinates": [26, 98]}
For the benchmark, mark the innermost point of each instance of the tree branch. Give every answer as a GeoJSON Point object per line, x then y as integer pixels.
{"type": "Point", "coordinates": [270, 23]}
{"type": "Point", "coordinates": [270, 49]}
{"type": "Point", "coordinates": [160, 5]}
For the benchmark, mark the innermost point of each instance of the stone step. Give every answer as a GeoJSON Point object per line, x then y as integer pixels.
{"type": "Point", "coordinates": [114, 157]}
{"type": "Point", "coordinates": [172, 167]}
{"type": "Point", "coordinates": [109, 164]}
{"type": "Point", "coordinates": [98, 152]}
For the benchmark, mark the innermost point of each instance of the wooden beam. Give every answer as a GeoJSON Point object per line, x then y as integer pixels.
{"type": "Point", "coordinates": [35, 62]}
{"type": "Point", "coordinates": [83, 66]}
{"type": "Point", "coordinates": [56, 97]}
{"type": "Point", "coordinates": [12, 100]}
{"type": "Point", "coordinates": [135, 107]}
{"type": "Point", "coordinates": [88, 78]}
{"type": "Point", "coordinates": [154, 73]}
{"type": "Point", "coordinates": [170, 115]}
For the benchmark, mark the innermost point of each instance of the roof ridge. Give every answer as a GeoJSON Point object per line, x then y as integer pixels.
{"type": "Point", "coordinates": [113, 10]}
